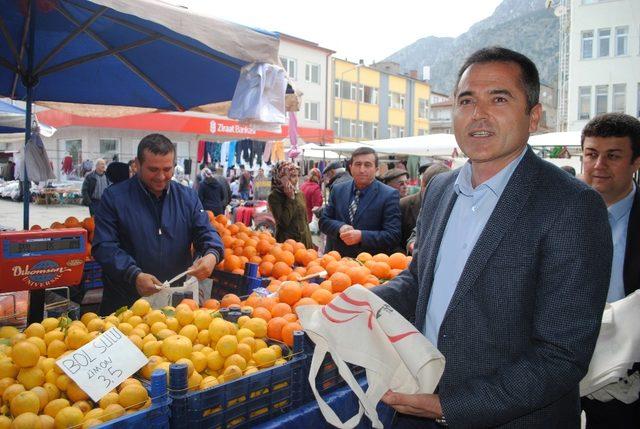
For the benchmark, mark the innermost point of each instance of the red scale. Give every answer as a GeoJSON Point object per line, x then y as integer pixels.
{"type": "Point", "coordinates": [37, 260]}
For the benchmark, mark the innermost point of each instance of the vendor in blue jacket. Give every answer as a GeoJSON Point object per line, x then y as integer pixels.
{"type": "Point", "coordinates": [145, 227]}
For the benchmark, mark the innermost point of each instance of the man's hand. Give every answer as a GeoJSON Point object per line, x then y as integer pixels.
{"type": "Point", "coordinates": [344, 228]}
{"type": "Point", "coordinates": [147, 284]}
{"type": "Point", "coordinates": [203, 267]}
{"type": "Point", "coordinates": [351, 237]}
{"type": "Point", "coordinates": [421, 405]}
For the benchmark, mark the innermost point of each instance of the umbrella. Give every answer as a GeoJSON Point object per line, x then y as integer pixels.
{"type": "Point", "coordinates": [138, 53]}
{"type": "Point", "coordinates": [12, 119]}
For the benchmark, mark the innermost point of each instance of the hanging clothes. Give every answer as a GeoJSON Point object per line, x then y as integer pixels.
{"type": "Point", "coordinates": [258, 150]}
{"type": "Point", "coordinates": [266, 155]}
{"type": "Point", "coordinates": [224, 153]}
{"type": "Point", "coordinates": [200, 155]}
{"type": "Point", "coordinates": [277, 152]}
{"type": "Point", "coordinates": [37, 161]}
{"type": "Point", "coordinates": [67, 165]}
{"type": "Point", "coordinates": [239, 152]}
{"type": "Point", "coordinates": [187, 166]}
{"type": "Point", "coordinates": [232, 154]}
{"type": "Point", "coordinates": [217, 148]}
{"type": "Point", "coordinates": [413, 163]}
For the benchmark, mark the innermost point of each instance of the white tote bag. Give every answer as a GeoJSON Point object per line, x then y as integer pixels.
{"type": "Point", "coordinates": [358, 327]}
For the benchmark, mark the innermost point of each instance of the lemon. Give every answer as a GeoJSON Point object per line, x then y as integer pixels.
{"type": "Point", "coordinates": [88, 317]}
{"type": "Point", "coordinates": [155, 316]}
{"type": "Point", "coordinates": [4, 383]}
{"type": "Point", "coordinates": [95, 413]}
{"type": "Point", "coordinates": [242, 320]}
{"type": "Point", "coordinates": [17, 338]}
{"type": "Point", "coordinates": [260, 344]}
{"type": "Point", "coordinates": [244, 333]}
{"type": "Point", "coordinates": [134, 321]}
{"type": "Point", "coordinates": [8, 368]}
{"type": "Point", "coordinates": [277, 349]}
{"type": "Point", "coordinates": [125, 315]}
{"type": "Point", "coordinates": [35, 330]}
{"type": "Point", "coordinates": [165, 333]}
{"type": "Point", "coordinates": [141, 307]}
{"type": "Point", "coordinates": [198, 347]}
{"type": "Point", "coordinates": [76, 338]}
{"type": "Point", "coordinates": [62, 382]}
{"type": "Point", "coordinates": [157, 327]}
{"type": "Point", "coordinates": [79, 325]}
{"type": "Point", "coordinates": [53, 407]}
{"type": "Point", "coordinates": [152, 348]}
{"type": "Point", "coordinates": [68, 417]}
{"type": "Point", "coordinates": [39, 342]}
{"type": "Point", "coordinates": [189, 364]}
{"type": "Point", "coordinates": [75, 393]}
{"type": "Point", "coordinates": [31, 377]}
{"type": "Point", "coordinates": [184, 314]}
{"type": "Point", "coordinates": [217, 329]}
{"type": "Point", "coordinates": [50, 323]}
{"type": "Point", "coordinates": [26, 354]}
{"type": "Point", "coordinates": [46, 364]}
{"type": "Point", "coordinates": [202, 319]}
{"type": "Point", "coordinates": [137, 340]}
{"type": "Point", "coordinates": [96, 325]}
{"type": "Point", "coordinates": [165, 367]}
{"type": "Point", "coordinates": [25, 402]}
{"type": "Point", "coordinates": [199, 360]}
{"type": "Point", "coordinates": [215, 361]}
{"type": "Point", "coordinates": [208, 381]}
{"type": "Point", "coordinates": [265, 357]}
{"type": "Point", "coordinates": [43, 396]}
{"type": "Point", "coordinates": [206, 350]}
{"type": "Point", "coordinates": [189, 331]}
{"type": "Point", "coordinates": [11, 392]}
{"type": "Point", "coordinates": [148, 369]}
{"type": "Point", "coordinates": [193, 382]}
{"type": "Point", "coordinates": [113, 411]}
{"type": "Point", "coordinates": [5, 422]}
{"type": "Point", "coordinates": [176, 347]}
{"type": "Point", "coordinates": [47, 422]}
{"type": "Point", "coordinates": [172, 323]}
{"type": "Point", "coordinates": [128, 382]}
{"type": "Point", "coordinates": [233, 329]}
{"type": "Point", "coordinates": [250, 341]}
{"type": "Point", "coordinates": [133, 396]}
{"type": "Point", "coordinates": [257, 325]}
{"type": "Point", "coordinates": [125, 328]}
{"type": "Point", "coordinates": [245, 351]}
{"type": "Point", "coordinates": [231, 373]}
{"type": "Point", "coordinates": [8, 331]}
{"type": "Point", "coordinates": [227, 345]}
{"type": "Point", "coordinates": [235, 360]}
{"type": "Point", "coordinates": [52, 391]}
{"type": "Point", "coordinates": [27, 421]}
{"type": "Point", "coordinates": [203, 337]}
{"type": "Point", "coordinates": [56, 348]}
{"type": "Point", "coordinates": [250, 370]}
{"type": "Point", "coordinates": [84, 406]}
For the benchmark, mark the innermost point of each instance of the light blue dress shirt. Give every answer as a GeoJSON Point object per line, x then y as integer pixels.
{"type": "Point", "coordinates": [469, 215]}
{"type": "Point", "coordinates": [619, 221]}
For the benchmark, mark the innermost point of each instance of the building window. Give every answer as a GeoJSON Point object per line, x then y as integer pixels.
{"type": "Point", "coordinates": [353, 90]}
{"type": "Point", "coordinates": [396, 132]}
{"type": "Point", "coordinates": [584, 102]}
{"type": "Point", "coordinates": [311, 111]}
{"type": "Point", "coordinates": [369, 130]}
{"type": "Point", "coordinates": [422, 132]}
{"type": "Point", "coordinates": [396, 100]}
{"type": "Point", "coordinates": [423, 108]}
{"type": "Point", "coordinates": [602, 99]}
{"type": "Point", "coordinates": [336, 88]}
{"type": "Point", "coordinates": [587, 44]}
{"type": "Point", "coordinates": [108, 148]}
{"type": "Point", "coordinates": [604, 41]}
{"type": "Point", "coordinates": [368, 94]}
{"type": "Point", "coordinates": [336, 127]}
{"type": "Point", "coordinates": [622, 35]}
{"type": "Point", "coordinates": [618, 97]}
{"type": "Point", "coordinates": [312, 73]}
{"type": "Point", "coordinates": [289, 65]}
{"type": "Point", "coordinates": [73, 148]}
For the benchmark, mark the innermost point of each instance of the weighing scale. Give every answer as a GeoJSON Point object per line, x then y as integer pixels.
{"type": "Point", "coordinates": [38, 260]}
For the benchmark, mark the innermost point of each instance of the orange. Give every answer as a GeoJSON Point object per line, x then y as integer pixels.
{"type": "Point", "coordinates": [290, 317]}
{"type": "Point", "coordinates": [72, 222]}
{"type": "Point", "coordinates": [269, 258]}
{"type": "Point", "coordinates": [340, 281]}
{"type": "Point", "coordinates": [290, 292]}
{"type": "Point", "coordinates": [263, 246]}
{"type": "Point", "coordinates": [35, 228]}
{"type": "Point", "coordinates": [327, 285]}
{"type": "Point", "coordinates": [322, 296]}
{"type": "Point", "coordinates": [364, 257]}
{"type": "Point", "coordinates": [381, 257]}
{"type": "Point", "coordinates": [230, 299]}
{"type": "Point", "coordinates": [262, 313]}
{"type": "Point", "coordinates": [274, 328]}
{"type": "Point", "coordinates": [89, 224]}
{"type": "Point", "coordinates": [232, 262]}
{"type": "Point", "coordinates": [190, 303]}
{"type": "Point", "coordinates": [332, 267]}
{"type": "Point", "coordinates": [358, 274]}
{"type": "Point", "coordinates": [212, 217]}
{"type": "Point", "coordinates": [249, 251]}
{"type": "Point", "coordinates": [394, 272]}
{"type": "Point", "coordinates": [287, 332]}
{"type": "Point", "coordinates": [211, 304]}
{"type": "Point", "coordinates": [281, 269]}
{"type": "Point", "coordinates": [373, 280]}
{"type": "Point", "coordinates": [324, 261]}
{"type": "Point", "coordinates": [301, 257]}
{"type": "Point", "coordinates": [286, 247]}
{"type": "Point", "coordinates": [305, 301]}
{"type": "Point", "coordinates": [287, 257]}
{"type": "Point", "coordinates": [309, 288]}
{"type": "Point", "coordinates": [398, 261]}
{"type": "Point", "coordinates": [335, 255]}
{"type": "Point", "coordinates": [265, 268]}
{"type": "Point", "coordinates": [380, 269]}
{"type": "Point", "coordinates": [280, 309]}
{"type": "Point", "coordinates": [314, 269]}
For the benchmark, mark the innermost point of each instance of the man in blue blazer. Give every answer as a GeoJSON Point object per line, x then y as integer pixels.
{"type": "Point", "coordinates": [362, 214]}
{"type": "Point", "coordinates": [510, 269]}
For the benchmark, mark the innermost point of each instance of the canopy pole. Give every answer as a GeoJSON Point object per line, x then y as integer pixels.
{"type": "Point", "coordinates": [36, 297]}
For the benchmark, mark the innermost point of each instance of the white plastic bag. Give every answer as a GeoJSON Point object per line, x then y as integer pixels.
{"type": "Point", "coordinates": [395, 355]}
{"type": "Point", "coordinates": [164, 296]}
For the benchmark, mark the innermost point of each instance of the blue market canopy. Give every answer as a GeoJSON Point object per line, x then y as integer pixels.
{"type": "Point", "coordinates": [142, 53]}
{"type": "Point", "coordinates": [12, 121]}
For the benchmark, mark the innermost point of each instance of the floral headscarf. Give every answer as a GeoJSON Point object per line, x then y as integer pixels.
{"type": "Point", "coordinates": [281, 178]}
{"type": "Point", "coordinates": [315, 176]}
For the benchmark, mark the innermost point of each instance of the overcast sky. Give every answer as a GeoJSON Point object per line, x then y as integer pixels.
{"type": "Point", "coordinates": [355, 29]}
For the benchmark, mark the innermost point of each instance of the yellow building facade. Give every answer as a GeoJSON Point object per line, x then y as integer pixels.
{"type": "Point", "coordinates": [372, 104]}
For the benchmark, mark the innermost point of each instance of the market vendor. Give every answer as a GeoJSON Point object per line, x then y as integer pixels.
{"type": "Point", "coordinates": [145, 227]}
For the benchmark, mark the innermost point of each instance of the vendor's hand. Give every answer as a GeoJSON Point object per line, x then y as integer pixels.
{"type": "Point", "coordinates": [421, 405]}
{"type": "Point", "coordinates": [203, 267]}
{"type": "Point", "coordinates": [351, 237]}
{"type": "Point", "coordinates": [147, 284]}
{"type": "Point", "coordinates": [345, 228]}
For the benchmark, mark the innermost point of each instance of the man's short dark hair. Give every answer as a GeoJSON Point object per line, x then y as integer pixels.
{"type": "Point", "coordinates": [529, 76]}
{"type": "Point", "coordinates": [364, 150]}
{"type": "Point", "coordinates": [614, 125]}
{"type": "Point", "coordinates": [157, 144]}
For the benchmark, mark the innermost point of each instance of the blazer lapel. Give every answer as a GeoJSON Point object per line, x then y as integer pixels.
{"type": "Point", "coordinates": [368, 198]}
{"type": "Point", "coordinates": [504, 216]}
{"type": "Point", "coordinates": [429, 251]}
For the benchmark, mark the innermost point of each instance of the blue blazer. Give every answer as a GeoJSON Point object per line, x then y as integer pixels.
{"type": "Point", "coordinates": [523, 321]}
{"type": "Point", "coordinates": [378, 217]}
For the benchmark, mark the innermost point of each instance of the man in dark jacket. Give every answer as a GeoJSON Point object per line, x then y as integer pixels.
{"type": "Point", "coordinates": [94, 185]}
{"type": "Point", "coordinates": [334, 173]}
{"type": "Point", "coordinates": [210, 192]}
{"type": "Point", "coordinates": [219, 176]}
{"type": "Point", "coordinates": [146, 226]}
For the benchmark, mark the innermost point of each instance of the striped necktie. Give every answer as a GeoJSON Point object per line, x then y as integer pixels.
{"type": "Point", "coordinates": [353, 207]}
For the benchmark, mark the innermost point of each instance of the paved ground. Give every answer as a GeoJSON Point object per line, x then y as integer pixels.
{"type": "Point", "coordinates": [11, 214]}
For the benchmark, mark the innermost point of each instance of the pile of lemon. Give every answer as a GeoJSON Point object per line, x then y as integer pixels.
{"type": "Point", "coordinates": [36, 394]}
{"type": "Point", "coordinates": [215, 350]}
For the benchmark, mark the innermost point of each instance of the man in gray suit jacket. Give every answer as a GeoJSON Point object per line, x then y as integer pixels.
{"type": "Point", "coordinates": [512, 267]}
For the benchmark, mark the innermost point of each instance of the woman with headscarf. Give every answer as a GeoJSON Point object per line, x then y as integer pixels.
{"type": "Point", "coordinates": [211, 193]}
{"type": "Point", "coordinates": [287, 205]}
{"type": "Point", "coordinates": [312, 192]}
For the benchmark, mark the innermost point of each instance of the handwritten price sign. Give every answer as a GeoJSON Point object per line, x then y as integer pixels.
{"type": "Point", "coordinates": [102, 364]}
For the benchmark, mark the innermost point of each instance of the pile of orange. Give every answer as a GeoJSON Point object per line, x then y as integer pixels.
{"type": "Point", "coordinates": [73, 222]}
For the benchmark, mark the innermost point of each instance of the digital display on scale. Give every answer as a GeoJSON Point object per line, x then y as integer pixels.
{"type": "Point", "coordinates": [44, 245]}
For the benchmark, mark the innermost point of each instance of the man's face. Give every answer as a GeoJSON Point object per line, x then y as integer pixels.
{"type": "Point", "coordinates": [156, 171]}
{"type": "Point", "coordinates": [363, 169]}
{"type": "Point", "coordinates": [101, 166]}
{"type": "Point", "coordinates": [490, 118]}
{"type": "Point", "coordinates": [261, 172]}
{"type": "Point", "coordinates": [400, 183]}
{"type": "Point", "coordinates": [608, 167]}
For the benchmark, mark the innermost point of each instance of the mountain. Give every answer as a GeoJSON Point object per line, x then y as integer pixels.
{"type": "Point", "coordinates": [522, 25]}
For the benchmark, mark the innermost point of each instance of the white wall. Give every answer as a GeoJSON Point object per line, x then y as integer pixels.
{"type": "Point", "coordinates": [607, 70]}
